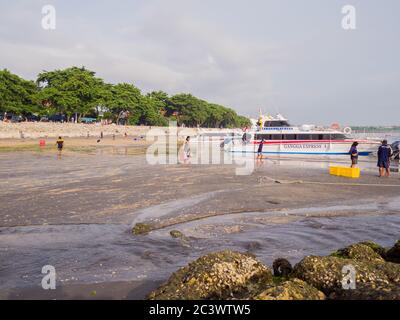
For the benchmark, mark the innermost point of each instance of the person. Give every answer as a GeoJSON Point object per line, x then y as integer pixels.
{"type": "Point", "coordinates": [354, 154]}
{"type": "Point", "coordinates": [186, 149]}
{"type": "Point", "coordinates": [60, 144]}
{"type": "Point", "coordinates": [260, 150]}
{"type": "Point", "coordinates": [384, 154]}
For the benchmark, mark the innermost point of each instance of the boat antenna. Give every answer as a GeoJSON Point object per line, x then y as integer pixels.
{"type": "Point", "coordinates": [274, 106]}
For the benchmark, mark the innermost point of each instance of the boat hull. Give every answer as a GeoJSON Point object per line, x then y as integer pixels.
{"type": "Point", "coordinates": [330, 148]}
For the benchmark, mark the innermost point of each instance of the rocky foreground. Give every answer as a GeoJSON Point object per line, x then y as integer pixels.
{"type": "Point", "coordinates": [234, 275]}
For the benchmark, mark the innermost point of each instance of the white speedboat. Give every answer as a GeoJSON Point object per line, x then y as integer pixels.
{"type": "Point", "coordinates": [281, 138]}
{"type": "Point", "coordinates": [216, 137]}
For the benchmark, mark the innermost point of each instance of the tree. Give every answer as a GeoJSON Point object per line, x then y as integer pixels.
{"type": "Point", "coordinates": [162, 100]}
{"type": "Point", "coordinates": [72, 90]}
{"type": "Point", "coordinates": [17, 95]}
{"type": "Point", "coordinates": [78, 91]}
{"type": "Point", "coordinates": [124, 99]}
{"type": "Point", "coordinates": [192, 111]}
{"type": "Point", "coordinates": [151, 112]}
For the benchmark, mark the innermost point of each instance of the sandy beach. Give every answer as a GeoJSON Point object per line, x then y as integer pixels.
{"type": "Point", "coordinates": [77, 211]}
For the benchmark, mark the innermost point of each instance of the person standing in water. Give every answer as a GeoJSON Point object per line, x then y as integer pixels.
{"type": "Point", "coordinates": [260, 150]}
{"type": "Point", "coordinates": [354, 154]}
{"type": "Point", "coordinates": [384, 154]}
{"type": "Point", "coordinates": [60, 144]}
{"type": "Point", "coordinates": [186, 149]}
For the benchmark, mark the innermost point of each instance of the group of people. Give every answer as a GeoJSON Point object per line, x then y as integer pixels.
{"type": "Point", "coordinates": [385, 152]}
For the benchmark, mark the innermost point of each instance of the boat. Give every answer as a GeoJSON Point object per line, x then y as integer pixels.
{"type": "Point", "coordinates": [216, 136]}
{"type": "Point", "coordinates": [281, 138]}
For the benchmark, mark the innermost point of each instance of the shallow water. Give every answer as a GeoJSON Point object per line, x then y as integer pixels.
{"type": "Point", "coordinates": [91, 253]}
{"type": "Point", "coordinates": [104, 253]}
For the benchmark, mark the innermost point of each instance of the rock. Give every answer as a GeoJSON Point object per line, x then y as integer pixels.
{"type": "Point", "coordinates": [177, 234]}
{"type": "Point", "coordinates": [393, 254]}
{"type": "Point", "coordinates": [325, 273]}
{"type": "Point", "coordinates": [294, 289]}
{"type": "Point", "coordinates": [376, 247]}
{"type": "Point", "coordinates": [220, 275]}
{"type": "Point", "coordinates": [367, 291]}
{"type": "Point", "coordinates": [282, 268]}
{"type": "Point", "coordinates": [359, 252]}
{"type": "Point", "coordinates": [141, 228]}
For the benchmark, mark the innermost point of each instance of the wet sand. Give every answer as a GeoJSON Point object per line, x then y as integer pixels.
{"type": "Point", "coordinates": [72, 145]}
{"type": "Point", "coordinates": [76, 212]}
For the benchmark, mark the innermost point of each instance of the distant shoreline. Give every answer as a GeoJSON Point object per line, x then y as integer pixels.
{"type": "Point", "coordinates": [36, 130]}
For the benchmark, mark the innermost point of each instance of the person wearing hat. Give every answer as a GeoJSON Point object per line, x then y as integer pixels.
{"type": "Point", "coordinates": [384, 154]}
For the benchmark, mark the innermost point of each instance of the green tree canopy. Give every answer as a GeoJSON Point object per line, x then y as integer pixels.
{"type": "Point", "coordinates": [78, 91]}
{"type": "Point", "coordinates": [16, 94]}
{"type": "Point", "coordinates": [72, 90]}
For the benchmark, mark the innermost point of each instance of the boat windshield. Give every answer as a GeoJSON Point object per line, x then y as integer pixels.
{"type": "Point", "coordinates": [276, 124]}
{"type": "Point", "coordinates": [300, 136]}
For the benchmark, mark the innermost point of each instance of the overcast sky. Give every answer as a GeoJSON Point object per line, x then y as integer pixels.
{"type": "Point", "coordinates": [289, 56]}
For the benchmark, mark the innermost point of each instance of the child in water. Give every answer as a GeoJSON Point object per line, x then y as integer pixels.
{"type": "Point", "coordinates": [60, 144]}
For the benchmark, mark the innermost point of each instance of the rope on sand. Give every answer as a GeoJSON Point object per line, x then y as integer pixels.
{"type": "Point", "coordinates": [326, 183]}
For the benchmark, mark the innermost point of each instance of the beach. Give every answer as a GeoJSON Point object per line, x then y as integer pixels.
{"type": "Point", "coordinates": [77, 211]}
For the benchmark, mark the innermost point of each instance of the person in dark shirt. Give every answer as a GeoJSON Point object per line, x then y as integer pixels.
{"type": "Point", "coordinates": [384, 154]}
{"type": "Point", "coordinates": [260, 150]}
{"type": "Point", "coordinates": [354, 154]}
{"type": "Point", "coordinates": [60, 144]}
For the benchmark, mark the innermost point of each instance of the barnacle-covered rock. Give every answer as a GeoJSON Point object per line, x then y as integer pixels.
{"type": "Point", "coordinates": [177, 234]}
{"type": "Point", "coordinates": [326, 273]}
{"type": "Point", "coordinates": [141, 229]}
{"type": "Point", "coordinates": [295, 289]}
{"type": "Point", "coordinates": [359, 252]}
{"type": "Point", "coordinates": [368, 291]}
{"type": "Point", "coordinates": [376, 247]}
{"type": "Point", "coordinates": [393, 254]}
{"type": "Point", "coordinates": [220, 275]}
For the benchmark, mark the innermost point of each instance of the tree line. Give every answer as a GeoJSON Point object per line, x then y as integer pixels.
{"type": "Point", "coordinates": [78, 93]}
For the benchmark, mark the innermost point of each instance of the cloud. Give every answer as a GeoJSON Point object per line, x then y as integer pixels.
{"type": "Point", "coordinates": [242, 56]}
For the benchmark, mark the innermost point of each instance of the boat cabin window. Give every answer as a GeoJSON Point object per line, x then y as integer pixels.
{"type": "Point", "coordinates": [276, 123]}
{"type": "Point", "coordinates": [324, 136]}
{"type": "Point", "coordinates": [289, 137]}
{"type": "Point", "coordinates": [338, 136]}
{"type": "Point", "coordinates": [304, 137]}
{"type": "Point", "coordinates": [261, 136]}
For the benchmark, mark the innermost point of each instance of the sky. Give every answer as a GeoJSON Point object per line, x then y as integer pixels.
{"type": "Point", "coordinates": [286, 56]}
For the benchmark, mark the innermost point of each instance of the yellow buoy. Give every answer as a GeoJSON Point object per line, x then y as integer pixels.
{"type": "Point", "coordinates": [345, 172]}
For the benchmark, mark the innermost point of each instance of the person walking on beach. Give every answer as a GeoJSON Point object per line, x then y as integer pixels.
{"type": "Point", "coordinates": [60, 144]}
{"type": "Point", "coordinates": [260, 150]}
{"type": "Point", "coordinates": [384, 154]}
{"type": "Point", "coordinates": [354, 154]}
{"type": "Point", "coordinates": [186, 150]}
